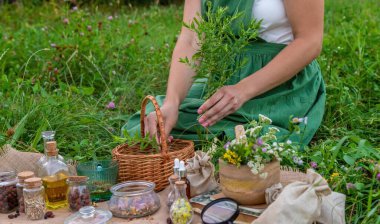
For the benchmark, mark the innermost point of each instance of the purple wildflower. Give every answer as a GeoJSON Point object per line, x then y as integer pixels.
{"type": "Point", "coordinates": [110, 18]}
{"type": "Point", "coordinates": [111, 105]}
{"type": "Point", "coordinates": [313, 165]}
{"type": "Point", "coordinates": [264, 149]}
{"type": "Point", "coordinates": [378, 176]}
{"type": "Point", "coordinates": [259, 142]}
{"type": "Point", "coordinates": [53, 45]}
{"type": "Point", "coordinates": [66, 21]}
{"type": "Point", "coordinates": [227, 145]}
{"type": "Point", "coordinates": [350, 186]}
{"type": "Point", "coordinates": [75, 8]}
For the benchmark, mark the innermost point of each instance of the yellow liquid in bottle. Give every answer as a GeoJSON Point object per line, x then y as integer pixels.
{"type": "Point", "coordinates": [55, 190]}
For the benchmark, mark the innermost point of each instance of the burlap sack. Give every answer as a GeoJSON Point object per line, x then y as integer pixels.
{"type": "Point", "coordinates": [14, 160]}
{"type": "Point", "coordinates": [200, 172]}
{"type": "Point", "coordinates": [298, 203]}
{"type": "Point", "coordinates": [333, 209]}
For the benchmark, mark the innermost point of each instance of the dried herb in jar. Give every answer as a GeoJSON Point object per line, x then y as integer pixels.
{"type": "Point", "coordinates": [8, 192]}
{"type": "Point", "coordinates": [78, 194]}
{"type": "Point", "coordinates": [34, 199]}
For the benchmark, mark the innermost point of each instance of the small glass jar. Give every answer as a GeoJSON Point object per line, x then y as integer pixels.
{"type": "Point", "coordinates": [34, 198]}
{"type": "Point", "coordinates": [8, 192]}
{"type": "Point", "coordinates": [171, 196]}
{"type": "Point", "coordinates": [78, 193]}
{"type": "Point", "coordinates": [21, 177]}
{"type": "Point", "coordinates": [181, 211]}
{"type": "Point", "coordinates": [133, 199]}
{"type": "Point", "coordinates": [89, 215]}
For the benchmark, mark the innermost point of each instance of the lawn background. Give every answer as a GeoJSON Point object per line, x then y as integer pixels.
{"type": "Point", "coordinates": [59, 69]}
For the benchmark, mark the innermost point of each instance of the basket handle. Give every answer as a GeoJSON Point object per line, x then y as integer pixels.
{"type": "Point", "coordinates": [160, 122]}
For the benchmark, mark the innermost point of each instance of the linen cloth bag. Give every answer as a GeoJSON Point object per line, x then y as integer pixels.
{"type": "Point", "coordinates": [200, 173]}
{"type": "Point", "coordinates": [298, 203]}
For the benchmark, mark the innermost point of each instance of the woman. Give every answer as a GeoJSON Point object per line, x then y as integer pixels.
{"type": "Point", "coordinates": [281, 78]}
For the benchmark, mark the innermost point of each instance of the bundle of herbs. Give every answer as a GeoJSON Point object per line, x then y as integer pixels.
{"type": "Point", "coordinates": [216, 61]}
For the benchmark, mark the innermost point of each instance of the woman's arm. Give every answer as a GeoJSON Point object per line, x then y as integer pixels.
{"type": "Point", "coordinates": [180, 75]}
{"type": "Point", "coordinates": [306, 18]}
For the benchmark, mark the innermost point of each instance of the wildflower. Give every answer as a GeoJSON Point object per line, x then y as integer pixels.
{"type": "Point", "coordinates": [53, 45]}
{"type": "Point", "coordinates": [259, 142]}
{"type": "Point", "coordinates": [350, 186]}
{"type": "Point", "coordinates": [232, 157]}
{"type": "Point", "coordinates": [334, 175]}
{"type": "Point", "coordinates": [313, 165]}
{"type": "Point", "coordinates": [65, 21]}
{"type": "Point", "coordinates": [273, 130]}
{"type": "Point", "coordinates": [264, 119]}
{"type": "Point", "coordinates": [110, 18]}
{"type": "Point", "coordinates": [75, 8]}
{"type": "Point", "coordinates": [111, 105]}
{"type": "Point", "coordinates": [89, 28]}
{"type": "Point", "coordinates": [264, 175]}
{"type": "Point", "coordinates": [378, 176]}
{"type": "Point", "coordinates": [227, 145]}
{"type": "Point", "coordinates": [289, 142]}
{"type": "Point", "coordinates": [264, 149]}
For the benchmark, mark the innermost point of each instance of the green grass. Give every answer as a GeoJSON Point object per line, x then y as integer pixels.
{"type": "Point", "coordinates": [67, 87]}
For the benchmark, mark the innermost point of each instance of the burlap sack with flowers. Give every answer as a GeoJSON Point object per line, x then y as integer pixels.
{"type": "Point", "coordinates": [301, 203]}
{"type": "Point", "coordinates": [200, 173]}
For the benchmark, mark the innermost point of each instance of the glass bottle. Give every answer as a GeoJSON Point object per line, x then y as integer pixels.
{"type": "Point", "coordinates": [54, 173]}
{"type": "Point", "coordinates": [171, 196]}
{"type": "Point", "coordinates": [34, 198]}
{"type": "Point", "coordinates": [8, 191]}
{"type": "Point", "coordinates": [183, 177]}
{"type": "Point", "coordinates": [21, 177]}
{"type": "Point", "coordinates": [181, 211]}
{"type": "Point", "coordinates": [78, 194]}
{"type": "Point", "coordinates": [47, 136]}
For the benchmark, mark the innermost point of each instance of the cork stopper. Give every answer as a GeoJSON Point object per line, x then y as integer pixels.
{"type": "Point", "coordinates": [77, 179]}
{"type": "Point", "coordinates": [180, 183]}
{"type": "Point", "coordinates": [173, 177]}
{"type": "Point", "coordinates": [51, 148]}
{"type": "Point", "coordinates": [22, 176]}
{"type": "Point", "coordinates": [33, 182]}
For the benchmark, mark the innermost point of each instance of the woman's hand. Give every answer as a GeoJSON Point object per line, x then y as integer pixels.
{"type": "Point", "coordinates": [170, 115]}
{"type": "Point", "coordinates": [225, 101]}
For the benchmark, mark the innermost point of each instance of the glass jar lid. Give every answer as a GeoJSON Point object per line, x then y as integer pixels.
{"type": "Point", "coordinates": [89, 215]}
{"type": "Point", "coordinates": [133, 188]}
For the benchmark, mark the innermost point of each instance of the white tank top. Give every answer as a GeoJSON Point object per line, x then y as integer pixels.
{"type": "Point", "coordinates": [275, 26]}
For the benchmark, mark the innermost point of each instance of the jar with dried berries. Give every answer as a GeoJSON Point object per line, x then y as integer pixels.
{"type": "Point", "coordinates": [34, 198]}
{"type": "Point", "coordinates": [8, 192]}
{"type": "Point", "coordinates": [78, 193]}
{"type": "Point", "coordinates": [21, 177]}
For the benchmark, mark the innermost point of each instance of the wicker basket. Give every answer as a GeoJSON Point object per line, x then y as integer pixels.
{"type": "Point", "coordinates": [147, 164]}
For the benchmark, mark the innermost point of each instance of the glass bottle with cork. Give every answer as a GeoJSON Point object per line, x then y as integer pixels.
{"type": "Point", "coordinates": [47, 136]}
{"type": "Point", "coordinates": [54, 173]}
{"type": "Point", "coordinates": [181, 211]}
{"type": "Point", "coordinates": [183, 177]}
{"type": "Point", "coordinates": [21, 177]}
{"type": "Point", "coordinates": [34, 198]}
{"type": "Point", "coordinates": [172, 179]}
{"type": "Point", "coordinates": [78, 193]}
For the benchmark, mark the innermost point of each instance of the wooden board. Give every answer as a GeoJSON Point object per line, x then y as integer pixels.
{"type": "Point", "coordinates": [61, 214]}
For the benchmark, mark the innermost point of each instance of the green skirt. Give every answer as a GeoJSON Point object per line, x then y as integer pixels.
{"type": "Point", "coordinates": [302, 96]}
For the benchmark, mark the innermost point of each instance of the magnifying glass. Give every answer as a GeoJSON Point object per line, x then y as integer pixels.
{"type": "Point", "coordinates": [220, 211]}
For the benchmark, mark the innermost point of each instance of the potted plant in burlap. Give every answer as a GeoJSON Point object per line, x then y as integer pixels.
{"type": "Point", "coordinates": [250, 163]}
